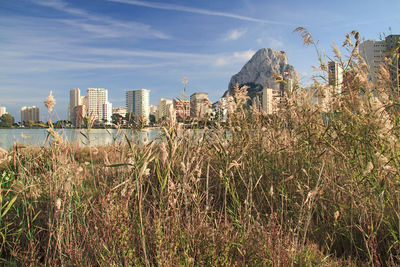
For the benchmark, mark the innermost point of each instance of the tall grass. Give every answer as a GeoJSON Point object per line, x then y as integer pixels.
{"type": "Point", "coordinates": [309, 185]}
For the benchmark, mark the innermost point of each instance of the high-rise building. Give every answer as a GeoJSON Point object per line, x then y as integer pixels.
{"type": "Point", "coordinates": [2, 111]}
{"type": "Point", "coordinates": [130, 101]}
{"type": "Point", "coordinates": [98, 105]}
{"type": "Point", "coordinates": [392, 42]}
{"type": "Point", "coordinates": [163, 110]}
{"type": "Point", "coordinates": [335, 76]}
{"type": "Point", "coordinates": [138, 102]}
{"type": "Point", "coordinates": [199, 105]}
{"type": "Point", "coordinates": [393, 51]}
{"type": "Point", "coordinates": [182, 108]}
{"type": "Point", "coordinates": [270, 99]}
{"type": "Point", "coordinates": [74, 100]}
{"type": "Point", "coordinates": [107, 112]}
{"type": "Point", "coordinates": [374, 53]}
{"type": "Point", "coordinates": [30, 114]}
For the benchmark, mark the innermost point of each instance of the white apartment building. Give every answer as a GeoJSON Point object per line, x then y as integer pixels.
{"type": "Point", "coordinates": [98, 105]}
{"type": "Point", "coordinates": [30, 114]}
{"type": "Point", "coordinates": [2, 111]}
{"type": "Point", "coordinates": [373, 53]}
{"type": "Point", "coordinates": [165, 107]}
{"type": "Point", "coordinates": [335, 76]}
{"type": "Point", "coordinates": [270, 99]}
{"type": "Point", "coordinates": [138, 102]}
{"type": "Point", "coordinates": [107, 112]}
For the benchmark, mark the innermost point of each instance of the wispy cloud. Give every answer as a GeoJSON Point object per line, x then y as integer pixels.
{"type": "Point", "coordinates": [234, 58]}
{"type": "Point", "coordinates": [167, 6]}
{"type": "Point", "coordinates": [271, 42]}
{"type": "Point", "coordinates": [61, 6]}
{"type": "Point", "coordinates": [28, 49]}
{"type": "Point", "coordinates": [101, 26]}
{"type": "Point", "coordinates": [235, 34]}
{"type": "Point", "coordinates": [275, 43]}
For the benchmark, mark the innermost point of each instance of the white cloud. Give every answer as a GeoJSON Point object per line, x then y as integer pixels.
{"type": "Point", "coordinates": [275, 43]}
{"type": "Point", "coordinates": [235, 34]}
{"type": "Point", "coordinates": [240, 57]}
{"type": "Point", "coordinates": [61, 6]}
{"type": "Point", "coordinates": [272, 42]}
{"type": "Point", "coordinates": [167, 6]}
{"type": "Point", "coordinates": [245, 55]}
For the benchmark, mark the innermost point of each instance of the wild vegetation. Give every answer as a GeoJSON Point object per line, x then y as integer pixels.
{"type": "Point", "coordinates": [309, 185]}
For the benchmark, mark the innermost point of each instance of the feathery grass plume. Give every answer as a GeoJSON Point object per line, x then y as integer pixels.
{"type": "Point", "coordinates": [50, 102]}
{"type": "Point", "coordinates": [308, 185]}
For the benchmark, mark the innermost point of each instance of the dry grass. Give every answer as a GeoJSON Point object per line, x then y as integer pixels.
{"type": "Point", "coordinates": [310, 185]}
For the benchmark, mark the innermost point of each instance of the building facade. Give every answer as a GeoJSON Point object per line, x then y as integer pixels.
{"type": "Point", "coordinates": [222, 108]}
{"type": "Point", "coordinates": [200, 105]}
{"type": "Point", "coordinates": [30, 114]}
{"type": "Point", "coordinates": [98, 105]}
{"type": "Point", "coordinates": [270, 99]}
{"type": "Point", "coordinates": [182, 108]}
{"type": "Point", "coordinates": [374, 53]}
{"type": "Point", "coordinates": [138, 102]}
{"type": "Point", "coordinates": [74, 100]}
{"type": "Point", "coordinates": [393, 51]}
{"type": "Point", "coordinates": [107, 112]}
{"type": "Point", "coordinates": [335, 76]}
{"type": "Point", "coordinates": [120, 111]}
{"type": "Point", "coordinates": [165, 108]}
{"type": "Point", "coordinates": [2, 111]}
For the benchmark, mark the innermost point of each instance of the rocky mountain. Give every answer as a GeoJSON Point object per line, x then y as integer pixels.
{"type": "Point", "coordinates": [259, 71]}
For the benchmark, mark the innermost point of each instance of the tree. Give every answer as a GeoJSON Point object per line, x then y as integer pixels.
{"type": "Point", "coordinates": [6, 120]}
{"type": "Point", "coordinates": [29, 123]}
{"type": "Point", "coordinates": [130, 119]}
{"type": "Point", "coordinates": [152, 119]}
{"type": "Point", "coordinates": [116, 118]}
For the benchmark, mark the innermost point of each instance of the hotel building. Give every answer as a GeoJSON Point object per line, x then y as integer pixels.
{"type": "Point", "coordinates": [30, 114]}
{"type": "Point", "coordinates": [98, 105]}
{"type": "Point", "coordinates": [138, 102]}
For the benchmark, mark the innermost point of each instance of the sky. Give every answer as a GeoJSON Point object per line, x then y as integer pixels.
{"type": "Point", "coordinates": [121, 45]}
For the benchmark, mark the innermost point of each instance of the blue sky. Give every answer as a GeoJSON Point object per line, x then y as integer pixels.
{"type": "Point", "coordinates": [130, 44]}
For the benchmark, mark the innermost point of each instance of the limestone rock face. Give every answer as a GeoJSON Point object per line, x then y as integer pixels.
{"type": "Point", "coordinates": [258, 72]}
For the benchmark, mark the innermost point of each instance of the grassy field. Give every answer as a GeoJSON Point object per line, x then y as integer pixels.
{"type": "Point", "coordinates": [310, 185]}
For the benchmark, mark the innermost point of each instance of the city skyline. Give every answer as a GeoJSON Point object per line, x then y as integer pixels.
{"type": "Point", "coordinates": [117, 44]}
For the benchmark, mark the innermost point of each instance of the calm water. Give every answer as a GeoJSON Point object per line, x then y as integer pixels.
{"type": "Point", "coordinates": [37, 137]}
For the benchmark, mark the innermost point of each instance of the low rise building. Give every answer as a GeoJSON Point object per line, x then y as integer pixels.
{"type": "Point", "coordinates": [182, 108]}
{"type": "Point", "coordinates": [120, 111]}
